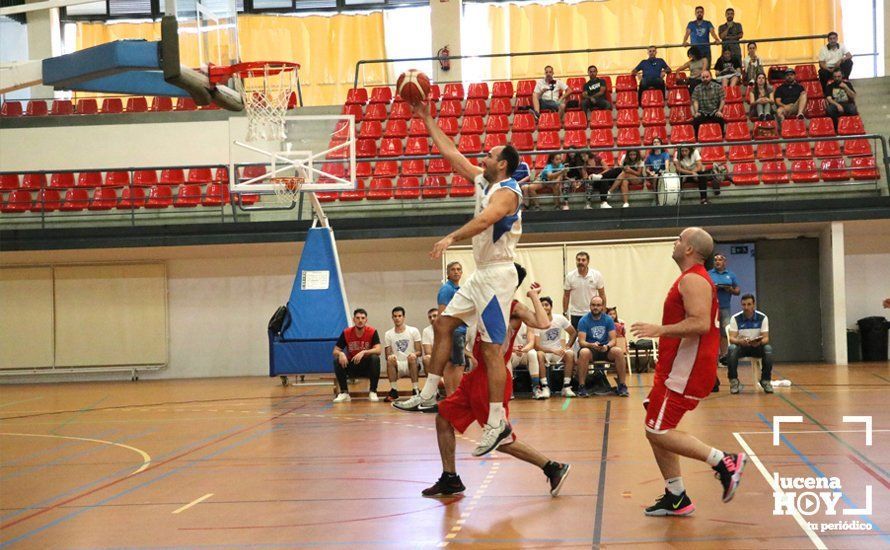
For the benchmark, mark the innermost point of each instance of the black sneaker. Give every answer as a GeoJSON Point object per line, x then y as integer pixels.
{"type": "Point", "coordinates": [448, 485]}
{"type": "Point", "coordinates": [393, 395]}
{"type": "Point", "coordinates": [556, 474]}
{"type": "Point", "coordinates": [729, 472]}
{"type": "Point", "coordinates": [723, 360]}
{"type": "Point", "coordinates": [716, 387]}
{"type": "Point", "coordinates": [670, 504]}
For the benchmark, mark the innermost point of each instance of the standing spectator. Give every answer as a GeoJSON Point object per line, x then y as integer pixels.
{"type": "Point", "coordinates": [598, 340]}
{"type": "Point", "coordinates": [404, 350]}
{"type": "Point", "coordinates": [697, 32]}
{"type": "Point", "coordinates": [428, 335]}
{"type": "Point", "coordinates": [522, 174]}
{"type": "Point", "coordinates": [592, 172]}
{"type": "Point", "coordinates": [357, 353]}
{"type": "Point", "coordinates": [550, 94]}
{"type": "Point", "coordinates": [708, 100]}
{"type": "Point", "coordinates": [552, 177]}
{"type": "Point", "coordinates": [582, 284]}
{"type": "Point", "coordinates": [791, 97]}
{"type": "Point", "coordinates": [696, 65]}
{"type": "Point", "coordinates": [595, 94]}
{"type": "Point", "coordinates": [653, 69]}
{"type": "Point", "coordinates": [632, 171]}
{"type": "Point", "coordinates": [841, 97]}
{"type": "Point", "coordinates": [763, 105]}
{"type": "Point", "coordinates": [454, 369]}
{"type": "Point", "coordinates": [753, 65]}
{"type": "Point", "coordinates": [552, 349]}
{"type": "Point", "coordinates": [729, 69]}
{"type": "Point", "coordinates": [656, 162]}
{"type": "Point", "coordinates": [731, 33]}
{"type": "Point", "coordinates": [834, 55]}
{"type": "Point", "coordinates": [749, 337]}
{"type": "Point", "coordinates": [687, 163]}
{"type": "Point", "coordinates": [727, 286]}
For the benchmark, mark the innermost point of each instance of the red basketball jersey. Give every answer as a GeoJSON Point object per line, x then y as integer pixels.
{"type": "Point", "coordinates": [688, 365]}
{"type": "Point", "coordinates": [356, 343]}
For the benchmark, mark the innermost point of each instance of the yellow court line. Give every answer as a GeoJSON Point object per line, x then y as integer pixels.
{"type": "Point", "coordinates": [192, 503]}
{"type": "Point", "coordinates": [146, 458]}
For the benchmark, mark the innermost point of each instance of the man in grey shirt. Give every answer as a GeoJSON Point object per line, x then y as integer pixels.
{"type": "Point", "coordinates": [731, 33]}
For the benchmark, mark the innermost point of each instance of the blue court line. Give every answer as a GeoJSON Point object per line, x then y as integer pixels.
{"type": "Point", "coordinates": [76, 414]}
{"type": "Point", "coordinates": [118, 473]}
{"type": "Point", "coordinates": [146, 483]}
{"type": "Point", "coordinates": [820, 473]}
{"type": "Point", "coordinates": [96, 447]}
{"type": "Point", "coordinates": [64, 444]}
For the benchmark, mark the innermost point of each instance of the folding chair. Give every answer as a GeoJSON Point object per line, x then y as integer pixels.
{"type": "Point", "coordinates": [756, 365]}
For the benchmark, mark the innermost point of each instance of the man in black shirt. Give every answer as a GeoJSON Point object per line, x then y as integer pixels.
{"type": "Point", "coordinates": [594, 96]}
{"type": "Point", "coordinates": [840, 97]}
{"type": "Point", "coordinates": [728, 69]}
{"type": "Point", "coordinates": [791, 98]}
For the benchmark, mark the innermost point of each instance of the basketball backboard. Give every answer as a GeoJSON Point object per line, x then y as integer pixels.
{"type": "Point", "coordinates": [208, 32]}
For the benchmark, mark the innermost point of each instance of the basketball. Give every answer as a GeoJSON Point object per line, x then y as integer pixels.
{"type": "Point", "coordinates": [413, 86]}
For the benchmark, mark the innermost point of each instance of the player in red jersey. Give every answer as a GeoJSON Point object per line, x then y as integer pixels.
{"type": "Point", "coordinates": [470, 402]}
{"type": "Point", "coordinates": [689, 341]}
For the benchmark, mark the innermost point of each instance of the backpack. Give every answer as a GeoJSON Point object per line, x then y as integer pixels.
{"type": "Point", "coordinates": [280, 321]}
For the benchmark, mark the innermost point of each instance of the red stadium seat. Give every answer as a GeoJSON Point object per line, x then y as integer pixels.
{"type": "Point", "coordinates": [61, 180]}
{"type": "Point", "coordinates": [11, 109]}
{"type": "Point", "coordinates": [478, 90]}
{"type": "Point", "coordinates": [804, 171]}
{"type": "Point", "coordinates": [380, 189]}
{"type": "Point", "coordinates": [525, 88]}
{"type": "Point", "coordinates": [626, 83]}
{"type": "Point", "coordinates": [497, 124]}
{"type": "Point", "coordinates": [679, 97]}
{"type": "Point", "coordinates": [365, 148]}
{"type": "Point", "coordinates": [355, 111]}
{"type": "Point", "coordinates": [470, 143]}
{"type": "Point", "coordinates": [502, 90]}
{"type": "Point", "coordinates": [857, 148]}
{"type": "Point", "coordinates": [737, 131]}
{"type": "Point", "coordinates": [413, 167]}
{"type": "Point", "coordinates": [8, 182]}
{"type": "Point", "coordinates": [549, 140]}
{"type": "Point", "coordinates": [798, 150]}
{"type": "Point", "coordinates": [217, 195]}
{"type": "Point", "coordinates": [137, 105]}
{"type": "Point", "coordinates": [827, 149]}
{"type": "Point", "coordinates": [340, 153]}
{"type": "Point", "coordinates": [774, 171]}
{"type": "Point", "coordinates": [850, 126]}
{"type": "Point", "coordinates": [89, 179]}
{"type": "Point", "coordinates": [435, 94]}
{"type": "Point", "coordinates": [733, 94]}
{"type": "Point", "coordinates": [806, 73]}
{"type": "Point", "coordinates": [576, 139]}
{"type": "Point", "coordinates": [461, 187]}
{"type": "Point", "coordinates": [540, 162]}
{"type": "Point", "coordinates": [769, 124]}
{"type": "Point", "coordinates": [376, 111]}
{"type": "Point", "coordinates": [390, 147]}
{"type": "Point", "coordinates": [769, 151]}
{"type": "Point", "coordinates": [475, 107]}
{"type": "Point", "coordinates": [370, 129]}
{"type": "Point", "coordinates": [601, 119]}
{"type": "Point", "coordinates": [652, 132]}
{"type": "Point", "coordinates": [381, 94]}
{"type": "Point", "coordinates": [34, 180]}
{"type": "Point", "coordinates": [494, 140]}
{"type": "Point", "coordinates": [161, 104]}
{"type": "Point", "coordinates": [713, 153]}
{"type": "Point", "coordinates": [710, 133]}
{"type": "Point", "coordinates": [653, 116]}
{"type": "Point", "coordinates": [575, 120]}
{"type": "Point", "coordinates": [363, 170]}
{"type": "Point", "coordinates": [629, 137]}
{"type": "Point", "coordinates": [356, 194]}
{"type": "Point", "coordinates": [628, 118]}
{"type": "Point", "coordinates": [734, 112]}
{"type": "Point", "coordinates": [864, 168]}
{"type": "Point", "coordinates": [439, 166]}
{"type": "Point", "coordinates": [356, 96]}
{"type": "Point", "coordinates": [104, 198]}
{"type": "Point", "coordinates": [407, 188]}
{"type": "Point", "coordinates": [794, 128]}
{"type": "Point", "coordinates": [400, 111]}
{"type": "Point", "coordinates": [112, 105]}
{"type": "Point", "coordinates": [548, 121]}
{"type": "Point", "coordinates": [449, 126]}
{"type": "Point", "coordinates": [821, 127]}
{"type": "Point", "coordinates": [575, 84]}
{"type": "Point", "coordinates": [680, 115]}
{"type": "Point", "coordinates": [454, 90]}
{"type": "Point", "coordinates": [523, 141]}
{"type": "Point", "coordinates": [133, 197]}
{"type": "Point", "coordinates": [652, 98]}
{"type": "Point", "coordinates": [397, 128]}
{"type": "Point", "coordinates": [813, 89]}
{"type": "Point", "coordinates": [744, 173]}
{"type": "Point", "coordinates": [626, 100]}
{"type": "Point", "coordinates": [117, 178]}
{"type": "Point", "coordinates": [417, 146]}
{"type": "Point", "coordinates": [522, 104]}
{"type": "Point", "coordinates": [834, 169]}
{"type": "Point", "coordinates": [182, 104]}
{"type": "Point", "coordinates": [417, 128]}
{"type": "Point", "coordinates": [682, 133]}
{"type": "Point", "coordinates": [87, 106]}
{"type": "Point", "coordinates": [62, 107]}
{"type": "Point", "coordinates": [187, 196]}
{"type": "Point", "coordinates": [434, 187]}
{"type": "Point", "coordinates": [172, 176]}
{"type": "Point", "coordinates": [472, 125]}
{"type": "Point", "coordinates": [19, 200]}
{"type": "Point", "coordinates": [451, 107]}
{"type": "Point", "coordinates": [36, 107]}
{"type": "Point", "coordinates": [675, 80]}
{"type": "Point", "coordinates": [48, 200]}
{"type": "Point", "coordinates": [500, 106]}
{"type": "Point", "coordinates": [601, 137]}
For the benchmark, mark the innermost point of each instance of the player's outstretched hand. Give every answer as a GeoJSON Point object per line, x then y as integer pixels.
{"type": "Point", "coordinates": [645, 330]}
{"type": "Point", "coordinates": [440, 247]}
{"type": "Point", "coordinates": [420, 109]}
{"type": "Point", "coordinates": [534, 291]}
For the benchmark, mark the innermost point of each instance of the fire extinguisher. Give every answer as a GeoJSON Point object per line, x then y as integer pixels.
{"type": "Point", "coordinates": [444, 61]}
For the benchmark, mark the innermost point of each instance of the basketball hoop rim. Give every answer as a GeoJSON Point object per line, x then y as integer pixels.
{"type": "Point", "coordinates": [251, 69]}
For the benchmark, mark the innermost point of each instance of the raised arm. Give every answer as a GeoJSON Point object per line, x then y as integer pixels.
{"type": "Point", "coordinates": [533, 318]}
{"type": "Point", "coordinates": [503, 203]}
{"type": "Point", "coordinates": [449, 150]}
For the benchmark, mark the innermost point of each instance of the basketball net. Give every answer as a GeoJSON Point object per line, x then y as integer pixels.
{"type": "Point", "coordinates": [266, 88]}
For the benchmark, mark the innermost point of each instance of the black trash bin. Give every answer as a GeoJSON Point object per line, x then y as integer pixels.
{"type": "Point", "coordinates": [873, 333]}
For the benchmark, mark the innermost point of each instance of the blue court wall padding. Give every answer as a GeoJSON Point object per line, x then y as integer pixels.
{"type": "Point", "coordinates": [316, 311]}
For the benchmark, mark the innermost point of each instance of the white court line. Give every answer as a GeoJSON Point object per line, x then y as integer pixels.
{"type": "Point", "coordinates": [146, 458]}
{"type": "Point", "coordinates": [192, 503]}
{"type": "Point", "coordinates": [815, 432]}
{"type": "Point", "coordinates": [772, 483]}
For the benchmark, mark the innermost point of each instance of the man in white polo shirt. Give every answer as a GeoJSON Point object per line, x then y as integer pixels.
{"type": "Point", "coordinates": [582, 284]}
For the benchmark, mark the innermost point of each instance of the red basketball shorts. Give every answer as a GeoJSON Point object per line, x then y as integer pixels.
{"type": "Point", "coordinates": [469, 402]}
{"type": "Point", "coordinates": [666, 408]}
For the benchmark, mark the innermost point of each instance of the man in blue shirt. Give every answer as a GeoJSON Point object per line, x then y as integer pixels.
{"type": "Point", "coordinates": [727, 286]}
{"type": "Point", "coordinates": [697, 34]}
{"type": "Point", "coordinates": [597, 338]}
{"type": "Point", "coordinates": [749, 337]}
{"type": "Point", "coordinates": [454, 369]}
{"type": "Point", "coordinates": [653, 69]}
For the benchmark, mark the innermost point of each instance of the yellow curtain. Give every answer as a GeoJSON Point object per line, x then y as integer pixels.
{"type": "Point", "coordinates": [327, 48]}
{"type": "Point", "coordinates": [624, 23]}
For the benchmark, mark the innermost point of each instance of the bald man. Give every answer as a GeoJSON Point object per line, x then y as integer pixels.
{"type": "Point", "coordinates": [689, 340]}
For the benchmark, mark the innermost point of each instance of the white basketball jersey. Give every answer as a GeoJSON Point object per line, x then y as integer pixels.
{"type": "Point", "coordinates": [497, 244]}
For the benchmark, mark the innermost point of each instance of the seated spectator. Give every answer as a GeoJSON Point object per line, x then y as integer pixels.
{"type": "Point", "coordinates": [656, 163]}
{"type": "Point", "coordinates": [840, 97]}
{"type": "Point", "coordinates": [574, 176]}
{"type": "Point", "coordinates": [653, 69]}
{"type": "Point", "coordinates": [619, 324]}
{"type": "Point", "coordinates": [696, 66]}
{"type": "Point", "coordinates": [593, 174]}
{"type": "Point", "coordinates": [697, 32]}
{"type": "Point", "coordinates": [522, 174]}
{"type": "Point", "coordinates": [687, 163]}
{"type": "Point", "coordinates": [550, 94]}
{"type": "Point", "coordinates": [597, 339]}
{"type": "Point", "coordinates": [357, 353]}
{"type": "Point", "coordinates": [595, 95]}
{"type": "Point", "coordinates": [834, 55]}
{"type": "Point", "coordinates": [523, 347]}
{"type": "Point", "coordinates": [760, 98]}
{"type": "Point", "coordinates": [552, 350]}
{"type": "Point", "coordinates": [791, 97]}
{"type": "Point", "coordinates": [753, 65]}
{"type": "Point", "coordinates": [749, 337]}
{"type": "Point", "coordinates": [427, 337]}
{"type": "Point", "coordinates": [551, 181]}
{"type": "Point", "coordinates": [403, 348]}
{"type": "Point", "coordinates": [708, 100]}
{"type": "Point", "coordinates": [632, 171]}
{"type": "Point", "coordinates": [729, 69]}
{"type": "Point", "coordinates": [731, 33]}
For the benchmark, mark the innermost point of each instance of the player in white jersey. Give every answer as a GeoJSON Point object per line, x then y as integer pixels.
{"type": "Point", "coordinates": [484, 299]}
{"type": "Point", "coordinates": [552, 349]}
{"type": "Point", "coordinates": [403, 353]}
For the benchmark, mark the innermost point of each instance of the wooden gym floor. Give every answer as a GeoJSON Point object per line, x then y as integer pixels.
{"type": "Point", "coordinates": [246, 462]}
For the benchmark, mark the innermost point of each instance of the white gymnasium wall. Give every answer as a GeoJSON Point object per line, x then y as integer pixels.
{"type": "Point", "coordinates": [867, 265]}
